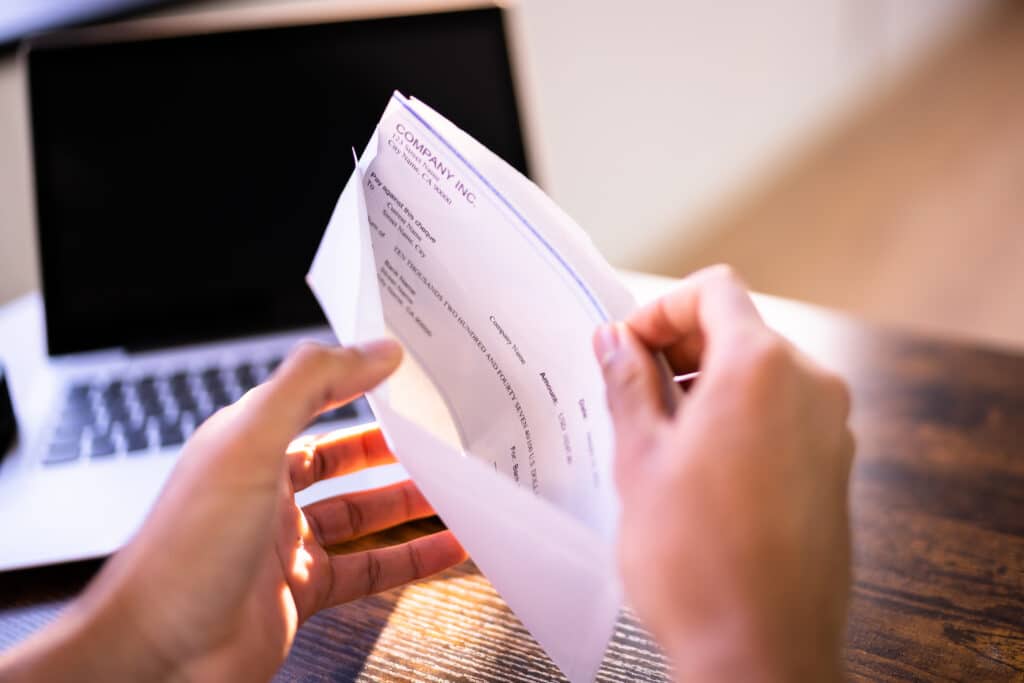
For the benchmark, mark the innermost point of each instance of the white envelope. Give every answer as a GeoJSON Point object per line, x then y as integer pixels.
{"type": "Point", "coordinates": [544, 539]}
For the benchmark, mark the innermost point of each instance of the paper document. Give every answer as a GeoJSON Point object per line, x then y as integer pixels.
{"type": "Point", "coordinates": [498, 412]}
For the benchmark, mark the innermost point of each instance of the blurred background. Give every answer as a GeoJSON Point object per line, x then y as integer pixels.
{"type": "Point", "coordinates": [866, 155]}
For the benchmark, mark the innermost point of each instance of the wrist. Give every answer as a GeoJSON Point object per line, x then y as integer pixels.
{"type": "Point", "coordinates": [736, 652]}
{"type": "Point", "coordinates": [96, 638]}
{"type": "Point", "coordinates": [716, 654]}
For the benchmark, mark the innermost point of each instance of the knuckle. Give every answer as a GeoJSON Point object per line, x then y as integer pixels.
{"type": "Point", "coordinates": [302, 463]}
{"type": "Point", "coordinates": [308, 354]}
{"type": "Point", "coordinates": [344, 359]}
{"type": "Point", "coordinates": [768, 355]}
{"type": "Point", "coordinates": [625, 377]}
{"type": "Point", "coordinates": [373, 573]}
{"type": "Point", "coordinates": [415, 560]}
{"type": "Point", "coordinates": [763, 365]}
{"type": "Point", "coordinates": [353, 518]}
{"type": "Point", "coordinates": [319, 464]}
{"type": "Point", "coordinates": [314, 528]}
{"type": "Point", "coordinates": [623, 388]}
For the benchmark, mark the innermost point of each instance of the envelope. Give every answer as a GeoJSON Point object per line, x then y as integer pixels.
{"type": "Point", "coordinates": [498, 412]}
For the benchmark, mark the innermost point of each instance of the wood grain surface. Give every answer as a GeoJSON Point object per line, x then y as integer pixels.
{"type": "Point", "coordinates": [938, 517]}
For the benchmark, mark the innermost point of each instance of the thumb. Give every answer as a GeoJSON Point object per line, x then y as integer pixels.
{"type": "Point", "coordinates": [314, 378]}
{"type": "Point", "coordinates": [633, 389]}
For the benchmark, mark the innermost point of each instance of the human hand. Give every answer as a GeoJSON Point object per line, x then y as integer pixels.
{"type": "Point", "coordinates": [226, 567]}
{"type": "Point", "coordinates": [734, 542]}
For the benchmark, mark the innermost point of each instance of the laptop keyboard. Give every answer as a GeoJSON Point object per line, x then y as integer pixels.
{"type": "Point", "coordinates": [141, 415]}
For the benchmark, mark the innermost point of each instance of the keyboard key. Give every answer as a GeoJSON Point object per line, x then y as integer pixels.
{"type": "Point", "coordinates": [212, 379]}
{"type": "Point", "coordinates": [220, 398]}
{"type": "Point", "coordinates": [152, 409]}
{"type": "Point", "coordinates": [147, 396]}
{"type": "Point", "coordinates": [102, 428]}
{"type": "Point", "coordinates": [62, 451]}
{"type": "Point", "coordinates": [171, 431]}
{"type": "Point", "coordinates": [118, 412]}
{"type": "Point", "coordinates": [68, 431]}
{"type": "Point", "coordinates": [136, 440]}
{"type": "Point", "coordinates": [151, 405]}
{"type": "Point", "coordinates": [113, 392]}
{"type": "Point", "coordinates": [79, 394]}
{"type": "Point", "coordinates": [345, 412]}
{"type": "Point", "coordinates": [102, 446]}
{"type": "Point", "coordinates": [180, 385]}
{"type": "Point", "coordinates": [187, 403]}
{"type": "Point", "coordinates": [77, 415]}
{"type": "Point", "coordinates": [245, 375]}
{"type": "Point", "coordinates": [171, 435]}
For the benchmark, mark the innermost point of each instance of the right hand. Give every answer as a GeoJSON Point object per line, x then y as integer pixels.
{"type": "Point", "coordinates": [734, 545]}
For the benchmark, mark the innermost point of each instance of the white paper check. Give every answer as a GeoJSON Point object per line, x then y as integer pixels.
{"type": "Point", "coordinates": [498, 412]}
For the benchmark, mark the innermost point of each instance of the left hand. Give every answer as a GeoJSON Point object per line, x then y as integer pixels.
{"type": "Point", "coordinates": [227, 566]}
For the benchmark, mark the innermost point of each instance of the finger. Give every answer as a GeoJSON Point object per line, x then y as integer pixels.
{"type": "Point", "coordinates": [343, 518]}
{"type": "Point", "coordinates": [313, 459]}
{"type": "Point", "coordinates": [313, 378]}
{"type": "Point", "coordinates": [361, 574]}
{"type": "Point", "coordinates": [634, 388]}
{"type": "Point", "coordinates": [705, 307]}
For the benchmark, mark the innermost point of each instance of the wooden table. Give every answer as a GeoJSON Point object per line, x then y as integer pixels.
{"type": "Point", "coordinates": [938, 517]}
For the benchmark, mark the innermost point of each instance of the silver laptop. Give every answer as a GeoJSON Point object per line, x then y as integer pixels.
{"type": "Point", "coordinates": [184, 175]}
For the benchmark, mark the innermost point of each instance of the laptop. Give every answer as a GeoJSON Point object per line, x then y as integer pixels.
{"type": "Point", "coordinates": [184, 173]}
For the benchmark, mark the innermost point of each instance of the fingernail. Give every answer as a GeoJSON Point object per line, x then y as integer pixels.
{"type": "Point", "coordinates": [384, 349]}
{"type": "Point", "coordinates": [607, 342]}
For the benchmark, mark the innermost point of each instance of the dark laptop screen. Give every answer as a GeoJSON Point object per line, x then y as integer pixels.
{"type": "Point", "coordinates": [183, 183]}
